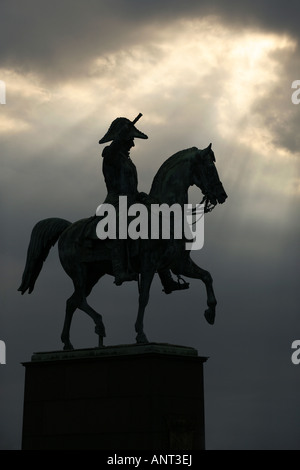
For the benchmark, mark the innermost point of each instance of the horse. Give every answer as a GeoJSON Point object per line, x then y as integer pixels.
{"type": "Point", "coordinates": [86, 259]}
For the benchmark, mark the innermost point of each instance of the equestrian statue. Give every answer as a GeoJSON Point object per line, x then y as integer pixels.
{"type": "Point", "coordinates": [86, 258]}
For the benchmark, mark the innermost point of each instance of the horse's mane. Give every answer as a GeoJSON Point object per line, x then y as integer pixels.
{"type": "Point", "coordinates": [170, 164]}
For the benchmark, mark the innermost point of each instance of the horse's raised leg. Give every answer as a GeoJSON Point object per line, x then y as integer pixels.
{"type": "Point", "coordinates": [146, 280]}
{"type": "Point", "coordinates": [190, 269]}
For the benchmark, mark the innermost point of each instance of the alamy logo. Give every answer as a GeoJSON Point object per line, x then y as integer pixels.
{"type": "Point", "coordinates": [2, 92]}
{"type": "Point", "coordinates": [296, 354]}
{"type": "Point", "coordinates": [157, 221]}
{"type": "Point", "coordinates": [296, 94]}
{"type": "Point", "coordinates": [2, 352]}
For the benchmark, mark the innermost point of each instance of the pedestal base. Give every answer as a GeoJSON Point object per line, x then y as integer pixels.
{"type": "Point", "coordinates": [137, 397]}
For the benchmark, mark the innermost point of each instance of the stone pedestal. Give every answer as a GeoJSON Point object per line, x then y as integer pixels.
{"type": "Point", "coordinates": [131, 397]}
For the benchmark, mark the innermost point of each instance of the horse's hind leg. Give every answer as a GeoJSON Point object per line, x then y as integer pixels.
{"type": "Point", "coordinates": [92, 277]}
{"type": "Point", "coordinates": [83, 286]}
{"type": "Point", "coordinates": [72, 304]}
{"type": "Point", "coordinates": [99, 328]}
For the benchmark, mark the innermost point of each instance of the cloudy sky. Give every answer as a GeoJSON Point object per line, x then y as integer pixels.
{"type": "Point", "coordinates": [200, 72]}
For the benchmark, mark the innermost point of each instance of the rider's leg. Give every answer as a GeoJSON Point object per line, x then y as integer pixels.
{"type": "Point", "coordinates": [120, 263]}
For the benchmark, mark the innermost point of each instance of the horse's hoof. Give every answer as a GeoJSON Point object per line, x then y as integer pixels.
{"type": "Point", "coordinates": [141, 338]}
{"type": "Point", "coordinates": [210, 315]}
{"type": "Point", "coordinates": [68, 347]}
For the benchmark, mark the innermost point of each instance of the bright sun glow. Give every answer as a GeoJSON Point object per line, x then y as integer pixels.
{"type": "Point", "coordinates": [185, 71]}
{"type": "Point", "coordinates": [187, 62]}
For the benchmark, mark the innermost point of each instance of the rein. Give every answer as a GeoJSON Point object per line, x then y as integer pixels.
{"type": "Point", "coordinates": [208, 206]}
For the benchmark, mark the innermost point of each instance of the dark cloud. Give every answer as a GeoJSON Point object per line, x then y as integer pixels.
{"type": "Point", "coordinates": [276, 111]}
{"type": "Point", "coordinates": [60, 38]}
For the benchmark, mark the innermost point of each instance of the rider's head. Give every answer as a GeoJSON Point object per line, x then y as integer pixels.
{"type": "Point", "coordinates": [122, 129]}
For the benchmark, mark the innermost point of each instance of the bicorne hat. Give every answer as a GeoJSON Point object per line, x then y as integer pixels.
{"type": "Point", "coordinates": [117, 126]}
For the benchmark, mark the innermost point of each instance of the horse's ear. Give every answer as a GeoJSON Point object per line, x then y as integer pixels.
{"type": "Point", "coordinates": [205, 151]}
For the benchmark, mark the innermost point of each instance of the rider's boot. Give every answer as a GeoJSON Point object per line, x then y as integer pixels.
{"type": "Point", "coordinates": [120, 269]}
{"type": "Point", "coordinates": [169, 284]}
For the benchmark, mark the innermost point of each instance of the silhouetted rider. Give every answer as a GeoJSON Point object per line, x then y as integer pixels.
{"type": "Point", "coordinates": [121, 180]}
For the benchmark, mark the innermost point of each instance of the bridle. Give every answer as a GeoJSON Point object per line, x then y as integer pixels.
{"type": "Point", "coordinates": [207, 190]}
{"type": "Point", "coordinates": [208, 206]}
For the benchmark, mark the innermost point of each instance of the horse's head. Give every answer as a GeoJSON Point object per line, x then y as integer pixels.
{"type": "Point", "coordinates": [205, 176]}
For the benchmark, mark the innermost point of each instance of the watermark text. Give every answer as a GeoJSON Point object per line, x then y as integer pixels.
{"type": "Point", "coordinates": [296, 354]}
{"type": "Point", "coordinates": [155, 459]}
{"type": "Point", "coordinates": [2, 92]}
{"type": "Point", "coordinates": [296, 93]}
{"type": "Point", "coordinates": [2, 352]}
{"type": "Point", "coordinates": [155, 222]}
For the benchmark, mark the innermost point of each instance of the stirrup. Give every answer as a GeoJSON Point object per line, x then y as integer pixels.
{"type": "Point", "coordinates": [181, 284]}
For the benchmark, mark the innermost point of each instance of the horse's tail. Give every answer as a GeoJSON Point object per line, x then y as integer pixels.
{"type": "Point", "coordinates": [44, 235]}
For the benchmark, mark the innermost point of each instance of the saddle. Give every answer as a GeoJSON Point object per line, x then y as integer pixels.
{"type": "Point", "coordinates": [92, 248]}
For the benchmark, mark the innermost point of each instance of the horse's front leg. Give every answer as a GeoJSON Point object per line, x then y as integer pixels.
{"type": "Point", "coordinates": [190, 269]}
{"type": "Point", "coordinates": [145, 284]}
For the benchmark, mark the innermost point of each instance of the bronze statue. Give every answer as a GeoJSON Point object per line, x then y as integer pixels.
{"type": "Point", "coordinates": [86, 259]}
